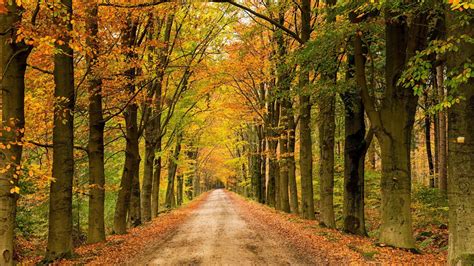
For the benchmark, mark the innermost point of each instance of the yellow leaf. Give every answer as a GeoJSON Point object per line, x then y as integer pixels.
{"type": "Point", "coordinates": [15, 190]}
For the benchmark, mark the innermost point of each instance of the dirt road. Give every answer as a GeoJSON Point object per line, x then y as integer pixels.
{"type": "Point", "coordinates": [216, 235]}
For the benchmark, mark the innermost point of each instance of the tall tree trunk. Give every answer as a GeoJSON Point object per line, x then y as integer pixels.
{"type": "Point", "coordinates": [96, 225]}
{"type": "Point", "coordinates": [147, 186]}
{"type": "Point", "coordinates": [155, 198]}
{"type": "Point", "coordinates": [292, 164]}
{"type": "Point", "coordinates": [196, 179]}
{"type": "Point", "coordinates": [259, 191]}
{"type": "Point", "coordinates": [123, 199]}
{"type": "Point", "coordinates": [255, 166]}
{"type": "Point", "coordinates": [272, 135]}
{"type": "Point", "coordinates": [135, 217]}
{"type": "Point", "coordinates": [263, 164]}
{"type": "Point", "coordinates": [442, 131]}
{"type": "Point", "coordinates": [327, 128]}
{"type": "Point", "coordinates": [122, 205]}
{"type": "Point", "coordinates": [461, 152]}
{"type": "Point", "coordinates": [283, 85]}
{"type": "Point", "coordinates": [306, 146]}
{"type": "Point", "coordinates": [355, 148]}
{"type": "Point", "coordinates": [172, 169]}
{"type": "Point", "coordinates": [180, 190]}
{"type": "Point", "coordinates": [327, 131]}
{"type": "Point", "coordinates": [13, 57]}
{"type": "Point", "coordinates": [393, 125]}
{"type": "Point", "coordinates": [60, 201]}
{"type": "Point", "coordinates": [153, 130]}
{"type": "Point", "coordinates": [284, 170]}
{"type": "Point", "coordinates": [429, 152]}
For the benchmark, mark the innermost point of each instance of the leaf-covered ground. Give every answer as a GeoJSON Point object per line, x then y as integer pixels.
{"type": "Point", "coordinates": [328, 246]}
{"type": "Point", "coordinates": [306, 238]}
{"type": "Point", "coordinates": [121, 249]}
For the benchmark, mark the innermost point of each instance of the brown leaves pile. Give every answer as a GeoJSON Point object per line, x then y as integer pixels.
{"type": "Point", "coordinates": [327, 246]}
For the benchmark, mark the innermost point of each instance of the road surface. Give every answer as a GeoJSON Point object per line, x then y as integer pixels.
{"type": "Point", "coordinates": [215, 234]}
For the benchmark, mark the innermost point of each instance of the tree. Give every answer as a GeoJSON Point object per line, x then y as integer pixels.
{"type": "Point", "coordinates": [327, 128]}
{"type": "Point", "coordinates": [306, 152]}
{"type": "Point", "coordinates": [393, 122]}
{"type": "Point", "coordinates": [96, 224]}
{"type": "Point", "coordinates": [60, 202]}
{"type": "Point", "coordinates": [13, 57]}
{"type": "Point", "coordinates": [131, 151]}
{"type": "Point", "coordinates": [356, 145]}
{"type": "Point", "coordinates": [172, 169]}
{"type": "Point", "coordinates": [461, 145]}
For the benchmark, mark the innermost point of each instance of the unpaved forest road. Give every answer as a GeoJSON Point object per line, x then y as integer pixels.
{"type": "Point", "coordinates": [216, 235]}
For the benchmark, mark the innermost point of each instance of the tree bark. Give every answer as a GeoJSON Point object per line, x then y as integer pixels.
{"type": "Point", "coordinates": [292, 164]}
{"type": "Point", "coordinates": [327, 131]}
{"type": "Point", "coordinates": [393, 124]}
{"type": "Point", "coordinates": [327, 127]}
{"type": "Point", "coordinates": [180, 190]}
{"type": "Point", "coordinates": [147, 186]}
{"type": "Point", "coordinates": [306, 146]}
{"type": "Point", "coordinates": [135, 217]}
{"type": "Point", "coordinates": [13, 58]}
{"type": "Point", "coordinates": [122, 205]}
{"type": "Point", "coordinates": [96, 225]}
{"type": "Point", "coordinates": [131, 154]}
{"type": "Point", "coordinates": [355, 148]}
{"type": "Point", "coordinates": [283, 85]}
{"type": "Point", "coordinates": [153, 129]}
{"type": "Point", "coordinates": [155, 198]}
{"type": "Point", "coordinates": [442, 131]}
{"type": "Point", "coordinates": [172, 169]}
{"type": "Point", "coordinates": [429, 152]}
{"type": "Point", "coordinates": [461, 153]}
{"type": "Point", "coordinates": [60, 202]}
{"type": "Point", "coordinates": [272, 140]}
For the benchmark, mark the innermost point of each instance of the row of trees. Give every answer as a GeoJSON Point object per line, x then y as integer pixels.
{"type": "Point", "coordinates": [122, 76]}
{"type": "Point", "coordinates": [380, 59]}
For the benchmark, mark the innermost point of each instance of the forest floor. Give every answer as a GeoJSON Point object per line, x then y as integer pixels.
{"type": "Point", "coordinates": [221, 227]}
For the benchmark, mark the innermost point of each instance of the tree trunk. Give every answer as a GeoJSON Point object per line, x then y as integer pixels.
{"type": "Point", "coordinates": [283, 85]}
{"type": "Point", "coordinates": [284, 169]}
{"type": "Point", "coordinates": [155, 199]}
{"type": "Point", "coordinates": [442, 156]}
{"type": "Point", "coordinates": [172, 169]}
{"type": "Point", "coordinates": [393, 124]}
{"type": "Point", "coordinates": [292, 165]}
{"type": "Point", "coordinates": [428, 148]}
{"type": "Point", "coordinates": [60, 202]}
{"type": "Point", "coordinates": [131, 154]}
{"type": "Point", "coordinates": [327, 129]}
{"type": "Point", "coordinates": [272, 135]}
{"type": "Point", "coordinates": [306, 146]}
{"type": "Point", "coordinates": [180, 188]}
{"type": "Point", "coordinates": [96, 226]}
{"type": "Point", "coordinates": [196, 178]}
{"type": "Point", "coordinates": [461, 154]}
{"type": "Point", "coordinates": [135, 217]}
{"type": "Point", "coordinates": [153, 130]}
{"type": "Point", "coordinates": [355, 148]}
{"type": "Point", "coordinates": [13, 58]}
{"type": "Point", "coordinates": [147, 186]}
{"type": "Point", "coordinates": [122, 205]}
{"type": "Point", "coordinates": [260, 190]}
